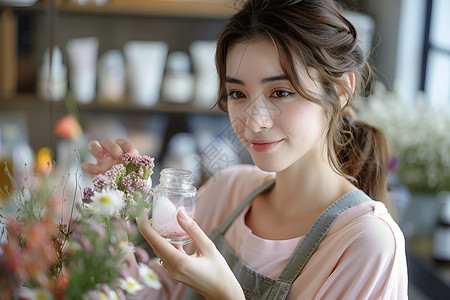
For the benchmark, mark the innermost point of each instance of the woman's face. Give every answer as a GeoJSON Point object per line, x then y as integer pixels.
{"type": "Point", "coordinates": [278, 127]}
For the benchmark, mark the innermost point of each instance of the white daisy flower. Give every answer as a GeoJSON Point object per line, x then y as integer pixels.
{"type": "Point", "coordinates": [126, 246]}
{"type": "Point", "coordinates": [107, 202]}
{"type": "Point", "coordinates": [130, 285]}
{"type": "Point", "coordinates": [112, 295]}
{"type": "Point", "coordinates": [101, 295]}
{"type": "Point", "coordinates": [149, 277]}
{"type": "Point", "coordinates": [35, 294]}
{"type": "Point", "coordinates": [96, 295]}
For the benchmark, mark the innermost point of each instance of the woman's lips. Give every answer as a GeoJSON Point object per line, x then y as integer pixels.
{"type": "Point", "coordinates": [263, 146]}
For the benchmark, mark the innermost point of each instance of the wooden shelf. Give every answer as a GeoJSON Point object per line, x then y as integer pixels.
{"type": "Point", "coordinates": [32, 102]}
{"type": "Point", "coordinates": [176, 8]}
{"type": "Point", "coordinates": [178, 22]}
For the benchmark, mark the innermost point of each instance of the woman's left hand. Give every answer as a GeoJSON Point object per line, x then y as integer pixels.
{"type": "Point", "coordinates": [206, 270]}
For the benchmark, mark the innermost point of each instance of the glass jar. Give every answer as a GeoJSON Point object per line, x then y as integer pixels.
{"type": "Point", "coordinates": [175, 192]}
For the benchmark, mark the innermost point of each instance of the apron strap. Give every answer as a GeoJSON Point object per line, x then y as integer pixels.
{"type": "Point", "coordinates": [301, 255]}
{"type": "Point", "coordinates": [261, 189]}
{"type": "Point", "coordinates": [317, 231]}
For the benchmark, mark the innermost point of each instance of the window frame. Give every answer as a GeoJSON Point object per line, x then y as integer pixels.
{"type": "Point", "coordinates": [428, 46]}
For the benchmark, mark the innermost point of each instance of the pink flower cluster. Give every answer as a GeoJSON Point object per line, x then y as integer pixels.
{"type": "Point", "coordinates": [132, 184]}
{"type": "Point", "coordinates": [110, 179]}
{"type": "Point", "coordinates": [145, 162]}
{"type": "Point", "coordinates": [131, 177]}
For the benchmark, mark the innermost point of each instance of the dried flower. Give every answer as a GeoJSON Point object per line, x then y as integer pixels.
{"type": "Point", "coordinates": [87, 194]}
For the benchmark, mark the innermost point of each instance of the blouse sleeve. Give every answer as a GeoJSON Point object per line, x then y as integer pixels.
{"type": "Point", "coordinates": [372, 266]}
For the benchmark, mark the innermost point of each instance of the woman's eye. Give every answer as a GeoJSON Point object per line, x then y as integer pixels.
{"type": "Point", "coordinates": [235, 95]}
{"type": "Point", "coordinates": [280, 94]}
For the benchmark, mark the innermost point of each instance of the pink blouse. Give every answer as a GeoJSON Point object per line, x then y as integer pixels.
{"type": "Point", "coordinates": [361, 257]}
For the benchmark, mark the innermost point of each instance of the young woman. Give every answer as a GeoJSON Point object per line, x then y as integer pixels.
{"type": "Point", "coordinates": [301, 224]}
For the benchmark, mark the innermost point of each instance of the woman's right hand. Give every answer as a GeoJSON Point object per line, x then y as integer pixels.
{"type": "Point", "coordinates": [107, 154]}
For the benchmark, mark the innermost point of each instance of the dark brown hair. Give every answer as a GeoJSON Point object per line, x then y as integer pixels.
{"type": "Point", "coordinates": [316, 34]}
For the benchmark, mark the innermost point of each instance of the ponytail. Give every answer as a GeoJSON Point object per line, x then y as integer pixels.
{"type": "Point", "coordinates": [362, 156]}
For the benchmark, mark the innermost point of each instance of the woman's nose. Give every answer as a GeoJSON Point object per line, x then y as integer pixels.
{"type": "Point", "coordinates": [258, 114]}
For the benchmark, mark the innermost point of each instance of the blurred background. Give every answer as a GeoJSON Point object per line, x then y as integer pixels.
{"type": "Point", "coordinates": [76, 70]}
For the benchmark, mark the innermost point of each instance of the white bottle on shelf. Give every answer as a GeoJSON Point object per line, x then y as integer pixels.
{"type": "Point", "coordinates": [82, 56]}
{"type": "Point", "coordinates": [111, 76]}
{"type": "Point", "coordinates": [178, 84]}
{"type": "Point", "coordinates": [52, 78]}
{"type": "Point", "coordinates": [206, 79]}
{"type": "Point", "coordinates": [145, 63]}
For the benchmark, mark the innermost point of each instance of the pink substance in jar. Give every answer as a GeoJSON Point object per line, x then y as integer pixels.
{"type": "Point", "coordinates": [169, 228]}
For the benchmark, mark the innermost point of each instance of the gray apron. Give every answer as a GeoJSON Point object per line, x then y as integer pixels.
{"type": "Point", "coordinates": [257, 286]}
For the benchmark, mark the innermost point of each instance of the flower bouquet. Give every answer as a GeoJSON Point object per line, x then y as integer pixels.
{"type": "Point", "coordinates": [121, 189]}
{"type": "Point", "coordinates": [44, 256]}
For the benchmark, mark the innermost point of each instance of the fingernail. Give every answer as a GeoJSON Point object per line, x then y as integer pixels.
{"type": "Point", "coordinates": [128, 148]}
{"type": "Point", "coordinates": [183, 215]}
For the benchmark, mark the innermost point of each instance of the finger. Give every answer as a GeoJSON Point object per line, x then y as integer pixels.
{"type": "Point", "coordinates": [200, 239]}
{"type": "Point", "coordinates": [162, 248]}
{"type": "Point", "coordinates": [126, 146]}
{"type": "Point", "coordinates": [91, 169]}
{"type": "Point", "coordinates": [96, 149]}
{"type": "Point", "coordinates": [112, 148]}
{"type": "Point", "coordinates": [180, 248]}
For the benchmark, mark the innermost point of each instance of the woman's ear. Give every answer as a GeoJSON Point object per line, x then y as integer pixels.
{"type": "Point", "coordinates": [349, 79]}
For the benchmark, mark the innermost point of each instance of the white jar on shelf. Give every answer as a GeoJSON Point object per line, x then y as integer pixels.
{"type": "Point", "coordinates": [178, 84]}
{"type": "Point", "coordinates": [111, 76]}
